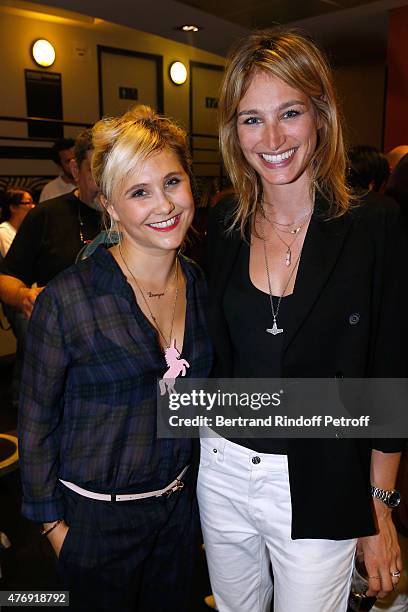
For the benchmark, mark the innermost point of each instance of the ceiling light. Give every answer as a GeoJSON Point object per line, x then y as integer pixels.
{"type": "Point", "coordinates": [189, 28]}
{"type": "Point", "coordinates": [43, 53]}
{"type": "Point", "coordinates": [178, 73]}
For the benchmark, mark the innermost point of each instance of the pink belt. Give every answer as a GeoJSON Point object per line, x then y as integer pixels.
{"type": "Point", "coordinates": [176, 485]}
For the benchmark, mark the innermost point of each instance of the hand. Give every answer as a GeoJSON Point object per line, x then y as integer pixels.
{"type": "Point", "coordinates": [381, 554]}
{"type": "Point", "coordinates": [27, 299]}
{"type": "Point", "coordinates": [57, 536]}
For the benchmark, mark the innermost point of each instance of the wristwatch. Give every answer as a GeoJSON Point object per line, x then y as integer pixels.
{"type": "Point", "coordinates": [390, 498]}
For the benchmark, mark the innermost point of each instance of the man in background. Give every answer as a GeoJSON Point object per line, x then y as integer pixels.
{"type": "Point", "coordinates": [52, 234]}
{"type": "Point", "coordinates": [62, 154]}
{"type": "Point", "coordinates": [48, 241]}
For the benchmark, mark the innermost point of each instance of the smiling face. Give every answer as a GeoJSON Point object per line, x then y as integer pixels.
{"type": "Point", "coordinates": [277, 130]}
{"type": "Point", "coordinates": [155, 207]}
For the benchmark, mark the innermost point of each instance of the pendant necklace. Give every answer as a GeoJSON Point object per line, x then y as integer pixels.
{"type": "Point", "coordinates": [142, 293]}
{"type": "Point", "coordinates": [175, 364]}
{"type": "Point", "coordinates": [274, 330]}
{"type": "Point", "coordinates": [288, 252]}
{"type": "Point", "coordinates": [159, 295]}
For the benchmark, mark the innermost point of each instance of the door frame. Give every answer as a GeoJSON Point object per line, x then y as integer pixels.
{"type": "Point", "coordinates": [158, 59]}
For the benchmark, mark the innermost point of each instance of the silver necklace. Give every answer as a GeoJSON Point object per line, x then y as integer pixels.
{"type": "Point", "coordinates": [154, 320]}
{"type": "Point", "coordinates": [274, 330]}
{"type": "Point", "coordinates": [301, 220]}
{"type": "Point", "coordinates": [288, 252]}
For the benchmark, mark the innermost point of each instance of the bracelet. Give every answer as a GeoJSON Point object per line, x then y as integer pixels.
{"type": "Point", "coordinates": [47, 531]}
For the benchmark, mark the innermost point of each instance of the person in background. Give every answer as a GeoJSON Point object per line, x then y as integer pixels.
{"type": "Point", "coordinates": [15, 204]}
{"type": "Point", "coordinates": [303, 283]}
{"type": "Point", "coordinates": [62, 154]}
{"type": "Point", "coordinates": [51, 236]}
{"type": "Point", "coordinates": [47, 242]}
{"type": "Point", "coordinates": [397, 187]}
{"type": "Point", "coordinates": [117, 502]}
{"type": "Point", "coordinates": [368, 169]}
{"type": "Point", "coordinates": [395, 155]}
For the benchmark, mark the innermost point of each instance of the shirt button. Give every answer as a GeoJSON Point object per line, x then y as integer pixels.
{"type": "Point", "coordinates": [354, 318]}
{"type": "Point", "coordinates": [215, 450]}
{"type": "Point", "coordinates": [256, 460]}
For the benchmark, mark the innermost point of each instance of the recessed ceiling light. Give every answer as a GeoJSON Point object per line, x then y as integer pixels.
{"type": "Point", "coordinates": [189, 28]}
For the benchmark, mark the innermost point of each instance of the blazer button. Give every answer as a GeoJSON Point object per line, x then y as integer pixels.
{"type": "Point", "coordinates": [354, 318]}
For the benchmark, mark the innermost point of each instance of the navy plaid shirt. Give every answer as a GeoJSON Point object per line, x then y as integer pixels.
{"type": "Point", "coordinates": [88, 393]}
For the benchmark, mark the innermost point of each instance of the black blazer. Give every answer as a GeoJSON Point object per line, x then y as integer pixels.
{"type": "Point", "coordinates": [347, 318]}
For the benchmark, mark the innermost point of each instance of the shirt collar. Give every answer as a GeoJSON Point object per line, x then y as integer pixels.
{"type": "Point", "coordinates": [109, 278]}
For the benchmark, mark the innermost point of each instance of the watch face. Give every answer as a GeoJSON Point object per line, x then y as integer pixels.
{"type": "Point", "coordinates": [394, 499]}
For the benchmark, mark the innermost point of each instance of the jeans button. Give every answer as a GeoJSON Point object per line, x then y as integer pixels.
{"type": "Point", "coordinates": [256, 460]}
{"type": "Point", "coordinates": [215, 450]}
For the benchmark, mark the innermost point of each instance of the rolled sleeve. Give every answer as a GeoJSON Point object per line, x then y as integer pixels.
{"type": "Point", "coordinates": [40, 412]}
{"type": "Point", "coordinates": [389, 445]}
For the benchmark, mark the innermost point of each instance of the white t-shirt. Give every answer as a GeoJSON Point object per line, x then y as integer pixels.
{"type": "Point", "coordinates": [55, 188]}
{"type": "Point", "coordinates": [7, 233]}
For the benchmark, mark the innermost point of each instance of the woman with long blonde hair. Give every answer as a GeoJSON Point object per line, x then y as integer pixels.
{"type": "Point", "coordinates": [305, 283]}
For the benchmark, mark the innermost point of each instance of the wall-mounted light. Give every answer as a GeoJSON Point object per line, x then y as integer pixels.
{"type": "Point", "coordinates": [178, 73]}
{"type": "Point", "coordinates": [43, 53]}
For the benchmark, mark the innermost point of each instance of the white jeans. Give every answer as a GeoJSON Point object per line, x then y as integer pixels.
{"type": "Point", "coordinates": [245, 511]}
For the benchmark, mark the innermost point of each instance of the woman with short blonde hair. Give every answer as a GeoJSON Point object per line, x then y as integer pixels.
{"type": "Point", "coordinates": [116, 501]}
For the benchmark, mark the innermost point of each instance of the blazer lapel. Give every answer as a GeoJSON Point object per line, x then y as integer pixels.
{"type": "Point", "coordinates": [227, 256]}
{"type": "Point", "coordinates": [226, 249]}
{"type": "Point", "coordinates": [321, 249]}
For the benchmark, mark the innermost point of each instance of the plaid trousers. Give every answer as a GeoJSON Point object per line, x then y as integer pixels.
{"type": "Point", "coordinates": [129, 556]}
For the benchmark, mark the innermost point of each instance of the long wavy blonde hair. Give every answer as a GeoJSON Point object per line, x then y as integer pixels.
{"type": "Point", "coordinates": [296, 60]}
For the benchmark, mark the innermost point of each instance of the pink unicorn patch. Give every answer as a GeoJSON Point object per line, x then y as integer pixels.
{"type": "Point", "coordinates": [176, 366]}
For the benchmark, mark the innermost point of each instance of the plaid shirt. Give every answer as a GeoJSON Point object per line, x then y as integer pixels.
{"type": "Point", "coordinates": [88, 392]}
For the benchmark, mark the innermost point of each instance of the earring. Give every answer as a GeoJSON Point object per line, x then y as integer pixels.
{"type": "Point", "coordinates": [113, 233]}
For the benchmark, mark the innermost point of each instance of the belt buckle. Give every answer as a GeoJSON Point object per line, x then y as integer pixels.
{"type": "Point", "coordinates": [177, 487]}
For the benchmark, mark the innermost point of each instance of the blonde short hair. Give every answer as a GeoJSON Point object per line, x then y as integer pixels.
{"type": "Point", "coordinates": [122, 143]}
{"type": "Point", "coordinates": [296, 60]}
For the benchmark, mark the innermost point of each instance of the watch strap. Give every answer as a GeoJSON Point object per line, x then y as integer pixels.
{"type": "Point", "coordinates": [383, 494]}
